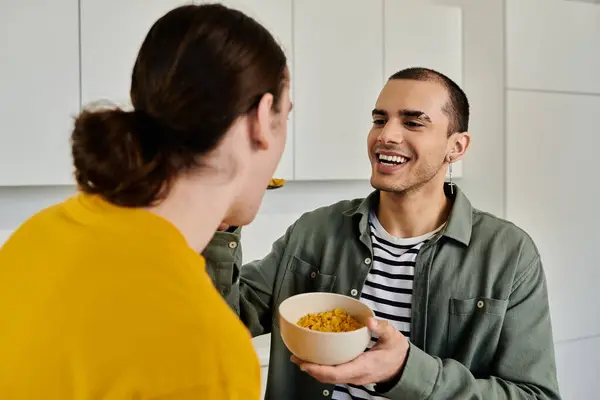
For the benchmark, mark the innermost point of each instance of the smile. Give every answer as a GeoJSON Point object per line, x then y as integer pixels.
{"type": "Point", "coordinates": [391, 160]}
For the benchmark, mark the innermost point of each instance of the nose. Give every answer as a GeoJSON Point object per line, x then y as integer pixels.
{"type": "Point", "coordinates": [391, 134]}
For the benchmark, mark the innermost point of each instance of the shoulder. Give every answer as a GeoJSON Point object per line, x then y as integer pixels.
{"type": "Point", "coordinates": [337, 210]}
{"type": "Point", "coordinates": [489, 225]}
{"type": "Point", "coordinates": [329, 218]}
{"type": "Point", "coordinates": [504, 238]}
{"type": "Point", "coordinates": [47, 217]}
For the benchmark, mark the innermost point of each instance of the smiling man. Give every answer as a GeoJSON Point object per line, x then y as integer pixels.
{"type": "Point", "coordinates": [460, 295]}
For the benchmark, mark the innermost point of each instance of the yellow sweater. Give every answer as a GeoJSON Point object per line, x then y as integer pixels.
{"type": "Point", "coordinates": [103, 302]}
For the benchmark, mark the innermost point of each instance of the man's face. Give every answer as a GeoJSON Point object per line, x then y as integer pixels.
{"type": "Point", "coordinates": [408, 142]}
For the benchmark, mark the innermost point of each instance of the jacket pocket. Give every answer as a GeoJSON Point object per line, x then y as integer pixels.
{"type": "Point", "coordinates": [301, 277]}
{"type": "Point", "coordinates": [307, 278]}
{"type": "Point", "coordinates": [474, 327]}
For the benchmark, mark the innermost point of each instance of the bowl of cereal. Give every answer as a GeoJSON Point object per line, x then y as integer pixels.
{"type": "Point", "coordinates": [324, 328]}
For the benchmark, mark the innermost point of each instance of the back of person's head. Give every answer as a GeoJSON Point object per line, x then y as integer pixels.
{"type": "Point", "coordinates": [200, 70]}
{"type": "Point", "coordinates": [457, 108]}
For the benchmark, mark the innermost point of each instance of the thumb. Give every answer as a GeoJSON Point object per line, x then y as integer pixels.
{"type": "Point", "coordinates": [382, 328]}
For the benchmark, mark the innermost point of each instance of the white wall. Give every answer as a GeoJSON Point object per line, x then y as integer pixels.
{"type": "Point", "coordinates": [552, 142]}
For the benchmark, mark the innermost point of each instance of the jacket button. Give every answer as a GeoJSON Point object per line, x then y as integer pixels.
{"type": "Point", "coordinates": [480, 304]}
{"type": "Point", "coordinates": [233, 245]}
{"type": "Point", "coordinates": [313, 274]}
{"type": "Point", "coordinates": [325, 392]}
{"type": "Point", "coordinates": [354, 292]}
{"type": "Point", "coordinates": [368, 261]}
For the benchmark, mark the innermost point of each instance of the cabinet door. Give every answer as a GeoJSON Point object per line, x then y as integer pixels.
{"type": "Point", "coordinates": [424, 35]}
{"type": "Point", "coordinates": [553, 45]}
{"type": "Point", "coordinates": [551, 170]}
{"type": "Point", "coordinates": [338, 65]}
{"type": "Point", "coordinates": [276, 16]}
{"type": "Point", "coordinates": [39, 90]}
{"type": "Point", "coordinates": [112, 32]}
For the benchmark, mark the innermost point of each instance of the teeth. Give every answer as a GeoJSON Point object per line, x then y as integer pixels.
{"type": "Point", "coordinates": [394, 159]}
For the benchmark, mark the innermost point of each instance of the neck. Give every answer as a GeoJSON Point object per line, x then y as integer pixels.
{"type": "Point", "coordinates": [196, 208]}
{"type": "Point", "coordinates": [414, 213]}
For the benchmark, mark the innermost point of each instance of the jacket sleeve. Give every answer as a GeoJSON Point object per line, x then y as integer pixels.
{"type": "Point", "coordinates": [524, 365]}
{"type": "Point", "coordinates": [247, 289]}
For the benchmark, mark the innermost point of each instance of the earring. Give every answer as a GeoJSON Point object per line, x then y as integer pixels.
{"type": "Point", "coordinates": [450, 178]}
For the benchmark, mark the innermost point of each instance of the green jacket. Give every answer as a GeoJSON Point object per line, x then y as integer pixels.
{"type": "Point", "coordinates": [480, 324]}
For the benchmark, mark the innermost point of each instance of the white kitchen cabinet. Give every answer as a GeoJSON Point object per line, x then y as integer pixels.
{"type": "Point", "coordinates": [112, 32]}
{"type": "Point", "coordinates": [338, 67]}
{"type": "Point", "coordinates": [39, 90]}
{"type": "Point", "coordinates": [576, 365]}
{"type": "Point", "coordinates": [551, 192]}
{"type": "Point", "coordinates": [276, 16]}
{"type": "Point", "coordinates": [553, 45]}
{"type": "Point", "coordinates": [417, 34]}
{"type": "Point", "coordinates": [108, 53]}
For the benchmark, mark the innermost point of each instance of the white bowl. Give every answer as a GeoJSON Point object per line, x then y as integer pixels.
{"type": "Point", "coordinates": [325, 348]}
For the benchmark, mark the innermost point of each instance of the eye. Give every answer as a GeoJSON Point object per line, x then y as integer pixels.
{"type": "Point", "coordinates": [413, 124]}
{"type": "Point", "coordinates": [378, 121]}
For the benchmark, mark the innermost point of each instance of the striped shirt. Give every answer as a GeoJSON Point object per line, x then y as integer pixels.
{"type": "Point", "coordinates": [387, 290]}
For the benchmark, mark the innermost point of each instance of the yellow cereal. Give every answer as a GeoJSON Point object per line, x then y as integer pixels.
{"type": "Point", "coordinates": [336, 320]}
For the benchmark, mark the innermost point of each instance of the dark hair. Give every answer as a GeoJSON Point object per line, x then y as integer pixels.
{"type": "Point", "coordinates": [199, 68]}
{"type": "Point", "coordinates": [457, 108]}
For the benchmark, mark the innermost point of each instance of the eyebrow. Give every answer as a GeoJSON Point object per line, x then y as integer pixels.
{"type": "Point", "coordinates": [404, 113]}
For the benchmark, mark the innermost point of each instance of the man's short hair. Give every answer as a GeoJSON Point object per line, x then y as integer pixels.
{"type": "Point", "coordinates": [457, 108]}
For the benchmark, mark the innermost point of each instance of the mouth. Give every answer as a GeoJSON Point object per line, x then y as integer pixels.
{"type": "Point", "coordinates": [391, 160]}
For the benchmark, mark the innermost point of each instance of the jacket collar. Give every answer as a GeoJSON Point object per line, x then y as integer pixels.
{"type": "Point", "coordinates": [460, 221]}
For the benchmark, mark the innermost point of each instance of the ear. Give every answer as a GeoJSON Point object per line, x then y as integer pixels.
{"type": "Point", "coordinates": [262, 124]}
{"type": "Point", "coordinates": [458, 144]}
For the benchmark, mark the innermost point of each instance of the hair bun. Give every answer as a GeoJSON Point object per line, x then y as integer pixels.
{"type": "Point", "coordinates": [156, 133]}
{"type": "Point", "coordinates": [111, 160]}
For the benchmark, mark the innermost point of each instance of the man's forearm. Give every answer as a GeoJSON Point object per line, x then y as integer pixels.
{"type": "Point", "coordinates": [247, 289]}
{"type": "Point", "coordinates": [524, 366]}
{"type": "Point", "coordinates": [431, 378]}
